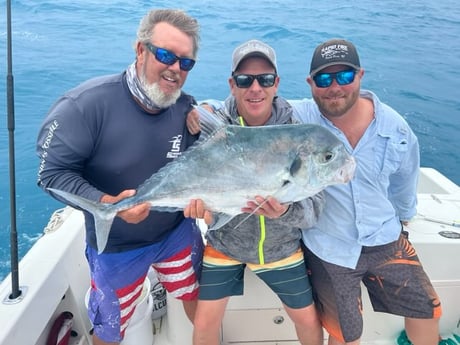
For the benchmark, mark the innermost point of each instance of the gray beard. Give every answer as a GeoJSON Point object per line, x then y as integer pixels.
{"type": "Point", "coordinates": [157, 96]}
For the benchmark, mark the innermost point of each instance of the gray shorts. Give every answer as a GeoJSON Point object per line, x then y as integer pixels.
{"type": "Point", "coordinates": [393, 276]}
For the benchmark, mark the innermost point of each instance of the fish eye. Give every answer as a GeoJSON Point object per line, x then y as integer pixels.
{"type": "Point", "coordinates": [325, 157]}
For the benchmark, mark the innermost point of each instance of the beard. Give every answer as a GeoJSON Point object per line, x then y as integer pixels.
{"type": "Point", "coordinates": [157, 96]}
{"type": "Point", "coordinates": [334, 109]}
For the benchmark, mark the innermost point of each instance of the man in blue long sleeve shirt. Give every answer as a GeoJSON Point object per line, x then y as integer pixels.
{"type": "Point", "coordinates": [104, 138]}
{"type": "Point", "coordinates": [382, 194]}
{"type": "Point", "coordinates": [358, 237]}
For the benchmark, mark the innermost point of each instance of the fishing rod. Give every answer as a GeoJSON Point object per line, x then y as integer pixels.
{"type": "Point", "coordinates": [10, 110]}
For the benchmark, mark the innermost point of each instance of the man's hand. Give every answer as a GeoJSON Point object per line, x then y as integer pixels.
{"type": "Point", "coordinates": [133, 215]}
{"type": "Point", "coordinates": [196, 209]}
{"type": "Point", "coordinates": [270, 207]}
{"type": "Point", "coordinates": [193, 119]}
{"type": "Point", "coordinates": [193, 122]}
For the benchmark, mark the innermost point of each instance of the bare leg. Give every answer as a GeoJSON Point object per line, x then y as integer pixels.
{"type": "Point", "coordinates": [208, 319]}
{"type": "Point", "coordinates": [422, 331]}
{"type": "Point", "coordinates": [190, 309]}
{"type": "Point", "coordinates": [307, 324]}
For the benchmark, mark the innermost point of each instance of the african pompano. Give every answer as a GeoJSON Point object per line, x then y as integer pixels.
{"type": "Point", "coordinates": [229, 165]}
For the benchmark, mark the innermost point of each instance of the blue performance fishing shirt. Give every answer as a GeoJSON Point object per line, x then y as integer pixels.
{"type": "Point", "coordinates": [366, 211]}
{"type": "Point", "coordinates": [97, 140]}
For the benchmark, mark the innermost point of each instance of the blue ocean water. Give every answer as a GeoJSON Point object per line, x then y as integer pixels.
{"type": "Point", "coordinates": [409, 50]}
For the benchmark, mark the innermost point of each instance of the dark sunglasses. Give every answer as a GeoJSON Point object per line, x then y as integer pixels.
{"type": "Point", "coordinates": [245, 80]}
{"type": "Point", "coordinates": [169, 58]}
{"type": "Point", "coordinates": [342, 78]}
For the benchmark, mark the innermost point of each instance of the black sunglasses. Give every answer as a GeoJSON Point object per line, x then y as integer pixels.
{"type": "Point", "coordinates": [245, 80]}
{"type": "Point", "coordinates": [342, 78]}
{"type": "Point", "coordinates": [169, 58]}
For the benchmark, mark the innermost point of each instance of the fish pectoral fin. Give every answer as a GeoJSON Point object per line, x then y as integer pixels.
{"type": "Point", "coordinates": [220, 219]}
{"type": "Point", "coordinates": [250, 214]}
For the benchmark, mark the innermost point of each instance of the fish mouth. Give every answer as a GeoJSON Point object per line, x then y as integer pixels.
{"type": "Point", "coordinates": [347, 172]}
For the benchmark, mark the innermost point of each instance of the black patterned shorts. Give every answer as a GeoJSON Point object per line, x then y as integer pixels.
{"type": "Point", "coordinates": [393, 276]}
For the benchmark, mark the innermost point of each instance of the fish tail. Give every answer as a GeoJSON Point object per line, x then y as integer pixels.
{"type": "Point", "coordinates": [103, 214]}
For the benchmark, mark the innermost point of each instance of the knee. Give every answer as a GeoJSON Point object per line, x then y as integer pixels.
{"type": "Point", "coordinates": [305, 317]}
{"type": "Point", "coordinates": [203, 323]}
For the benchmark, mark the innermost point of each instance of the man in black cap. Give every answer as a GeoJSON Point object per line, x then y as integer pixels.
{"type": "Point", "coordinates": [359, 236]}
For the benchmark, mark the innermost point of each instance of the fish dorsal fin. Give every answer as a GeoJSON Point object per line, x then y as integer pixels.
{"type": "Point", "coordinates": [210, 122]}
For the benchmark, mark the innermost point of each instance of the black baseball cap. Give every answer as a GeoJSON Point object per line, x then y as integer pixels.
{"type": "Point", "coordinates": [334, 52]}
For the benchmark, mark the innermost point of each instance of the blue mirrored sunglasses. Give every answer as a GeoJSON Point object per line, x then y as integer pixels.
{"type": "Point", "coordinates": [245, 80]}
{"type": "Point", "coordinates": [169, 58]}
{"type": "Point", "coordinates": [342, 78]}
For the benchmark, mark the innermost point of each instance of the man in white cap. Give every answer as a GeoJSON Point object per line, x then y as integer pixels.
{"type": "Point", "coordinates": [268, 242]}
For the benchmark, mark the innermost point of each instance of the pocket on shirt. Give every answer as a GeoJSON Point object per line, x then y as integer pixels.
{"type": "Point", "coordinates": [388, 156]}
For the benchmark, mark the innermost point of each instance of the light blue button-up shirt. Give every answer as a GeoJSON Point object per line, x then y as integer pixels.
{"type": "Point", "coordinates": [366, 211]}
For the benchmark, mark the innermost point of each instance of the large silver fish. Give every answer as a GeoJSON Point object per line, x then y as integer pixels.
{"type": "Point", "coordinates": [229, 165]}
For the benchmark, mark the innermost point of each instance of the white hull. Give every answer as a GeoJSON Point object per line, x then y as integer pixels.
{"type": "Point", "coordinates": [54, 278]}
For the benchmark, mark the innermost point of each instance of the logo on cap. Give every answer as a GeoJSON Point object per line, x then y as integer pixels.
{"type": "Point", "coordinates": [335, 51]}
